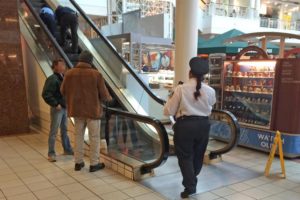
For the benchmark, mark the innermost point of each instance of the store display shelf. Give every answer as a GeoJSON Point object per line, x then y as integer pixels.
{"type": "Point", "coordinates": [215, 68]}
{"type": "Point", "coordinates": [259, 115]}
{"type": "Point", "coordinates": [246, 92]}
{"type": "Point", "coordinates": [247, 102]}
{"type": "Point", "coordinates": [254, 125]}
{"type": "Point", "coordinates": [261, 71]}
{"type": "Point", "coordinates": [263, 86]}
{"type": "Point", "coordinates": [215, 85]}
{"type": "Point", "coordinates": [249, 77]}
{"type": "Point", "coordinates": [215, 77]}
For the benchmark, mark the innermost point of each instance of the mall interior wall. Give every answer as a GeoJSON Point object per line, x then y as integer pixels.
{"type": "Point", "coordinates": [154, 26]}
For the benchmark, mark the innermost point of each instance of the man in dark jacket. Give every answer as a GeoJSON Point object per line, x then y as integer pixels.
{"type": "Point", "coordinates": [53, 97]}
{"type": "Point", "coordinates": [84, 89]}
{"type": "Point", "coordinates": [67, 18]}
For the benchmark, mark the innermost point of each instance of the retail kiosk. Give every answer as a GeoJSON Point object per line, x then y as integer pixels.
{"type": "Point", "coordinates": [263, 94]}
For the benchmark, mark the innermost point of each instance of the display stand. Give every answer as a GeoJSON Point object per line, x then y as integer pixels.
{"type": "Point", "coordinates": [216, 63]}
{"type": "Point", "coordinates": [253, 91]}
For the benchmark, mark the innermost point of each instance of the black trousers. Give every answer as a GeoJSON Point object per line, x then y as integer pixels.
{"type": "Point", "coordinates": [190, 140]}
{"type": "Point", "coordinates": [69, 20]}
{"type": "Point", "coordinates": [49, 20]}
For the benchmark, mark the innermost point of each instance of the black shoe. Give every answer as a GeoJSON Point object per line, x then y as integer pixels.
{"type": "Point", "coordinates": [186, 193]}
{"type": "Point", "coordinates": [79, 166]}
{"type": "Point", "coordinates": [97, 167]}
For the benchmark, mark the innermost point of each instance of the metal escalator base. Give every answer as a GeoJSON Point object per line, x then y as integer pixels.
{"type": "Point", "coordinates": [167, 178]}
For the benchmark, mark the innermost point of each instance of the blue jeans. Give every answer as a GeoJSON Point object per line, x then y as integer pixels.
{"type": "Point", "coordinates": [58, 119]}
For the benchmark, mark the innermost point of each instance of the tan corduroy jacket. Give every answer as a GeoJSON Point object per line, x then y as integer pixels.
{"type": "Point", "coordinates": [84, 90]}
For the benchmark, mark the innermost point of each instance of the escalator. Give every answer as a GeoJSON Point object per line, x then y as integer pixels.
{"type": "Point", "coordinates": [149, 103]}
{"type": "Point", "coordinates": [132, 136]}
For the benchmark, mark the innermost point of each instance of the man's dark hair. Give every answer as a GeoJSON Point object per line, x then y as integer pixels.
{"type": "Point", "coordinates": [55, 62]}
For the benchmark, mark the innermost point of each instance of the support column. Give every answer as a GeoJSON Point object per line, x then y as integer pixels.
{"type": "Point", "coordinates": [109, 12]}
{"type": "Point", "coordinates": [264, 44]}
{"type": "Point", "coordinates": [186, 37]}
{"type": "Point", "coordinates": [13, 101]}
{"type": "Point", "coordinates": [252, 9]}
{"type": "Point", "coordinates": [257, 7]}
{"type": "Point", "coordinates": [282, 47]}
{"type": "Point", "coordinates": [212, 7]}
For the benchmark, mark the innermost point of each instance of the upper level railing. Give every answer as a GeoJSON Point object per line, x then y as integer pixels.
{"type": "Point", "coordinates": [279, 24]}
{"type": "Point", "coordinates": [227, 10]}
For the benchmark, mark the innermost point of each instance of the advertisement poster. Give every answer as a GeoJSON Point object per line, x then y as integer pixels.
{"type": "Point", "coordinates": [154, 61]}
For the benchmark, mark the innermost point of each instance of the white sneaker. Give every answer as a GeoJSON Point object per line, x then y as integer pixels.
{"type": "Point", "coordinates": [52, 158]}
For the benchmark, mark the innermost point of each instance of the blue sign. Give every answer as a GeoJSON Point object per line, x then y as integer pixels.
{"type": "Point", "coordinates": [258, 139]}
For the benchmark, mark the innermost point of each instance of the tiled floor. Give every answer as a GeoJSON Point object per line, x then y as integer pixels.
{"type": "Point", "coordinates": [25, 174]}
{"type": "Point", "coordinates": [239, 177]}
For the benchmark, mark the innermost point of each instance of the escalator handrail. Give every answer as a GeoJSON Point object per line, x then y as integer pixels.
{"type": "Point", "coordinates": [162, 133]}
{"type": "Point", "coordinates": [50, 36]}
{"type": "Point", "coordinates": [132, 72]}
{"type": "Point", "coordinates": [233, 141]}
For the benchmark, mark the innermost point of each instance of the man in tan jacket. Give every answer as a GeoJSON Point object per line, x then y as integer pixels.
{"type": "Point", "coordinates": [84, 90]}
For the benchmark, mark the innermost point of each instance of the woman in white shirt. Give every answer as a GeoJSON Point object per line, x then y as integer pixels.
{"type": "Point", "coordinates": [191, 103]}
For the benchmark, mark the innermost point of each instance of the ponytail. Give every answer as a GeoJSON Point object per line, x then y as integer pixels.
{"type": "Point", "coordinates": [197, 94]}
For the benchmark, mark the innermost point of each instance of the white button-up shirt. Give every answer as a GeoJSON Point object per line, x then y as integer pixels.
{"type": "Point", "coordinates": [183, 102]}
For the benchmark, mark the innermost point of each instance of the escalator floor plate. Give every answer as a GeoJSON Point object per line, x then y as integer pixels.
{"type": "Point", "coordinates": [167, 179]}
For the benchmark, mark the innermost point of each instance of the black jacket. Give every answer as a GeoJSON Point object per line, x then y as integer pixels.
{"type": "Point", "coordinates": [61, 11]}
{"type": "Point", "coordinates": [51, 91]}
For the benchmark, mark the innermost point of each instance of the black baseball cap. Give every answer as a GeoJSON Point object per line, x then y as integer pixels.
{"type": "Point", "coordinates": [199, 66]}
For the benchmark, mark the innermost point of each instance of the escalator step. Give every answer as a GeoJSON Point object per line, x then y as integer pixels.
{"type": "Point", "coordinates": [73, 57]}
{"type": "Point", "coordinates": [37, 4]}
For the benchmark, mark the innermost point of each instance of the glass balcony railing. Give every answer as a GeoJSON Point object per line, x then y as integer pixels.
{"type": "Point", "coordinates": [279, 24]}
{"type": "Point", "coordinates": [230, 11]}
